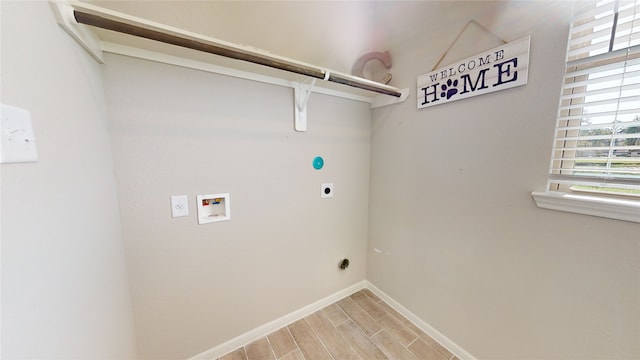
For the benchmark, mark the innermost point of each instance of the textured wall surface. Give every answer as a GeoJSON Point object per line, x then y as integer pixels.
{"type": "Point", "coordinates": [65, 292]}
{"type": "Point", "coordinates": [177, 131]}
{"type": "Point", "coordinates": [462, 243]}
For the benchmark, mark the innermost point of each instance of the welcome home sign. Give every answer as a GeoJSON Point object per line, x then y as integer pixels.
{"type": "Point", "coordinates": [497, 69]}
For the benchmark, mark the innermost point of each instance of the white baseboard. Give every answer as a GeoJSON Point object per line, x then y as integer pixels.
{"type": "Point", "coordinates": [272, 326]}
{"type": "Point", "coordinates": [428, 329]}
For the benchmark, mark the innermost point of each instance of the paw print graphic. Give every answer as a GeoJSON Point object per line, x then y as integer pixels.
{"type": "Point", "coordinates": [449, 89]}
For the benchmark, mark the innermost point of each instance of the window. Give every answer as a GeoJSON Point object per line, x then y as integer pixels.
{"type": "Point", "coordinates": [596, 152]}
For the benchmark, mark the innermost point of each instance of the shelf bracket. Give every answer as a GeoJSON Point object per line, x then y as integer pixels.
{"type": "Point", "coordinates": [301, 93]}
{"type": "Point", "coordinates": [86, 38]}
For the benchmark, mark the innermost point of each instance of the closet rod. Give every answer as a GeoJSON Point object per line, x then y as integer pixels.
{"type": "Point", "coordinates": [233, 53]}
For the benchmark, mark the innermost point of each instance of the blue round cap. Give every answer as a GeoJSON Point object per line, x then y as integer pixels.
{"type": "Point", "coordinates": [318, 162]}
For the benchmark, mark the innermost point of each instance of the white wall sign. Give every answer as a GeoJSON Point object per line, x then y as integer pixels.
{"type": "Point", "coordinates": [497, 69]}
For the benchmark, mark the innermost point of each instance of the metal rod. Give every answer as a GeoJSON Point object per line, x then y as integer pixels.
{"type": "Point", "coordinates": [238, 54]}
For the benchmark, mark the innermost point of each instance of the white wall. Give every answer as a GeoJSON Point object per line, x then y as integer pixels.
{"type": "Point", "coordinates": [464, 246]}
{"type": "Point", "coordinates": [64, 283]}
{"type": "Point", "coordinates": [178, 131]}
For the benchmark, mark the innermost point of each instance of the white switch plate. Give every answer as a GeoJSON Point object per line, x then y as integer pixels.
{"type": "Point", "coordinates": [17, 143]}
{"type": "Point", "coordinates": [179, 206]}
{"type": "Point", "coordinates": [326, 191]}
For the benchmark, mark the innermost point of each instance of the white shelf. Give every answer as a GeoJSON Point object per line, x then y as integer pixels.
{"type": "Point", "coordinates": [97, 40]}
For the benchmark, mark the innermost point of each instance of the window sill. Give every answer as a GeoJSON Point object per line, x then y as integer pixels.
{"type": "Point", "coordinates": [620, 209]}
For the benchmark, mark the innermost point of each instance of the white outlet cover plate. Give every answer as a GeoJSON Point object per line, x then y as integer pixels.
{"type": "Point", "coordinates": [17, 143]}
{"type": "Point", "coordinates": [326, 191]}
{"type": "Point", "coordinates": [179, 206]}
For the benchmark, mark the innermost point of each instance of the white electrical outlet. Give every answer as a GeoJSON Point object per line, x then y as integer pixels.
{"type": "Point", "coordinates": [179, 206]}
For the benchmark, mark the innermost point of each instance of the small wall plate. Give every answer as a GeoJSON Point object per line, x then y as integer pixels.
{"type": "Point", "coordinates": [326, 191]}
{"type": "Point", "coordinates": [179, 206]}
{"type": "Point", "coordinates": [17, 143]}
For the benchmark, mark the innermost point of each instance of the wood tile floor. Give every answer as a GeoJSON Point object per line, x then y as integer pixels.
{"type": "Point", "coordinates": [360, 326]}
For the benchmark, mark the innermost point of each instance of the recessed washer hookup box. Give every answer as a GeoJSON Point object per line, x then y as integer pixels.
{"type": "Point", "coordinates": [213, 208]}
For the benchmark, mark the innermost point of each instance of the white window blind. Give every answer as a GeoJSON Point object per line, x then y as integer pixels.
{"type": "Point", "coordinates": [597, 140]}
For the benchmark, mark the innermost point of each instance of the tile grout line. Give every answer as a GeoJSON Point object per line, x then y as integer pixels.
{"type": "Point", "coordinates": [342, 336]}
{"type": "Point", "coordinates": [271, 347]}
{"type": "Point", "coordinates": [362, 330]}
{"type": "Point", "coordinates": [295, 342]}
{"type": "Point", "coordinates": [319, 339]}
{"type": "Point", "coordinates": [376, 333]}
{"type": "Point", "coordinates": [335, 327]}
{"type": "Point", "coordinates": [376, 320]}
{"type": "Point", "coordinates": [416, 336]}
{"type": "Point", "coordinates": [453, 355]}
{"type": "Point", "coordinates": [285, 355]}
